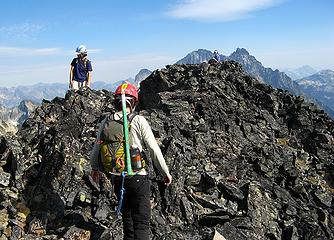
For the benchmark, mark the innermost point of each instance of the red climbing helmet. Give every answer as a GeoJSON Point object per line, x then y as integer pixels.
{"type": "Point", "coordinates": [131, 93]}
{"type": "Point", "coordinates": [129, 90]}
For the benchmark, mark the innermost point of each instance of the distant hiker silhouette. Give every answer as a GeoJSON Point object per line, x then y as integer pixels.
{"type": "Point", "coordinates": [216, 58]}
{"type": "Point", "coordinates": [118, 152]}
{"type": "Point", "coordinates": [80, 70]}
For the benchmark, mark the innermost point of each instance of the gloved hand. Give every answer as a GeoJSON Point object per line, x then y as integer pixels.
{"type": "Point", "coordinates": [168, 179]}
{"type": "Point", "coordinates": [96, 175]}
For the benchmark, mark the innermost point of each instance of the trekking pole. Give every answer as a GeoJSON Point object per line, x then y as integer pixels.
{"type": "Point", "coordinates": [126, 132]}
{"type": "Point", "coordinates": [121, 196]}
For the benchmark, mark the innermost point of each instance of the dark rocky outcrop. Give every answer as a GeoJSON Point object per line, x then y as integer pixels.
{"type": "Point", "coordinates": [248, 161]}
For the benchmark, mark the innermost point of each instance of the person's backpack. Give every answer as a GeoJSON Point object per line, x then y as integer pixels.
{"type": "Point", "coordinates": [85, 62]}
{"type": "Point", "coordinates": [112, 153]}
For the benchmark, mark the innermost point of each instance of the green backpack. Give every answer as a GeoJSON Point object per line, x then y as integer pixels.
{"type": "Point", "coordinates": [112, 153]}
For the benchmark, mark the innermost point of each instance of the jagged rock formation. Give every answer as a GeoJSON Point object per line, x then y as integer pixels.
{"type": "Point", "coordinates": [51, 156]}
{"type": "Point", "coordinates": [7, 127]}
{"type": "Point", "coordinates": [275, 78]}
{"type": "Point", "coordinates": [248, 161]}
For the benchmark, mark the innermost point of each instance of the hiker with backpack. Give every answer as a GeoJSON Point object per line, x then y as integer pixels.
{"type": "Point", "coordinates": [80, 70]}
{"type": "Point", "coordinates": [118, 153]}
{"type": "Point", "coordinates": [216, 56]}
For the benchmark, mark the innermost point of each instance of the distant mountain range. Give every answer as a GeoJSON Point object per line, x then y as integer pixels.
{"type": "Point", "coordinates": [17, 103]}
{"type": "Point", "coordinates": [12, 118]}
{"type": "Point", "coordinates": [11, 97]}
{"type": "Point", "coordinates": [320, 86]}
{"type": "Point", "coordinates": [311, 85]}
{"type": "Point", "coordinates": [301, 72]}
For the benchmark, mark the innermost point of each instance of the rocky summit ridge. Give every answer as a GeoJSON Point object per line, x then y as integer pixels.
{"type": "Point", "coordinates": [248, 162]}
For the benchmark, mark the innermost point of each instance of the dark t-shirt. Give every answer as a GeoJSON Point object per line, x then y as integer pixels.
{"type": "Point", "coordinates": [81, 69]}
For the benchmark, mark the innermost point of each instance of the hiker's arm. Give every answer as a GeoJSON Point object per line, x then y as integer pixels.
{"type": "Point", "coordinates": [89, 73]}
{"type": "Point", "coordinates": [89, 78]}
{"type": "Point", "coordinates": [153, 147]}
{"type": "Point", "coordinates": [71, 76]}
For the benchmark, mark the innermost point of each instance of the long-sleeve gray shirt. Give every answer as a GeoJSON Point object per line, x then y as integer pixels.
{"type": "Point", "coordinates": [141, 134]}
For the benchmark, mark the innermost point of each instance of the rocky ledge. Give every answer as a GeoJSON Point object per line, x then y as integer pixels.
{"type": "Point", "coordinates": [248, 162]}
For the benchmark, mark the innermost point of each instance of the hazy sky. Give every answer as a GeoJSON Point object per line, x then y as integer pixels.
{"type": "Point", "coordinates": [38, 38]}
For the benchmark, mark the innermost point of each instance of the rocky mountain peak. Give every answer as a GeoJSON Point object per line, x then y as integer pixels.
{"type": "Point", "coordinates": [324, 77]}
{"type": "Point", "coordinates": [142, 75]}
{"type": "Point", "coordinates": [242, 51]}
{"type": "Point", "coordinates": [27, 106]}
{"type": "Point", "coordinates": [196, 57]}
{"type": "Point", "coordinates": [327, 72]}
{"type": "Point", "coordinates": [249, 62]}
{"type": "Point", "coordinates": [248, 161]}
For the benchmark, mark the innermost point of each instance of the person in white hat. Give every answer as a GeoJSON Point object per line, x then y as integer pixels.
{"type": "Point", "coordinates": [80, 70]}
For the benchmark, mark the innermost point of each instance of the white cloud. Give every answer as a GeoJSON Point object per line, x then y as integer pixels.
{"type": "Point", "coordinates": [218, 10]}
{"type": "Point", "coordinates": [94, 50]}
{"type": "Point", "coordinates": [19, 52]}
{"type": "Point", "coordinates": [22, 30]}
{"type": "Point", "coordinates": [6, 51]}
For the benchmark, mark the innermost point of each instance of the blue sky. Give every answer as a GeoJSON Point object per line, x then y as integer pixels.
{"type": "Point", "coordinates": [38, 38]}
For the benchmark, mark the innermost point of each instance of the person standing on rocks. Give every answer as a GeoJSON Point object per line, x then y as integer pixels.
{"type": "Point", "coordinates": [108, 156]}
{"type": "Point", "coordinates": [216, 56]}
{"type": "Point", "coordinates": [80, 70]}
